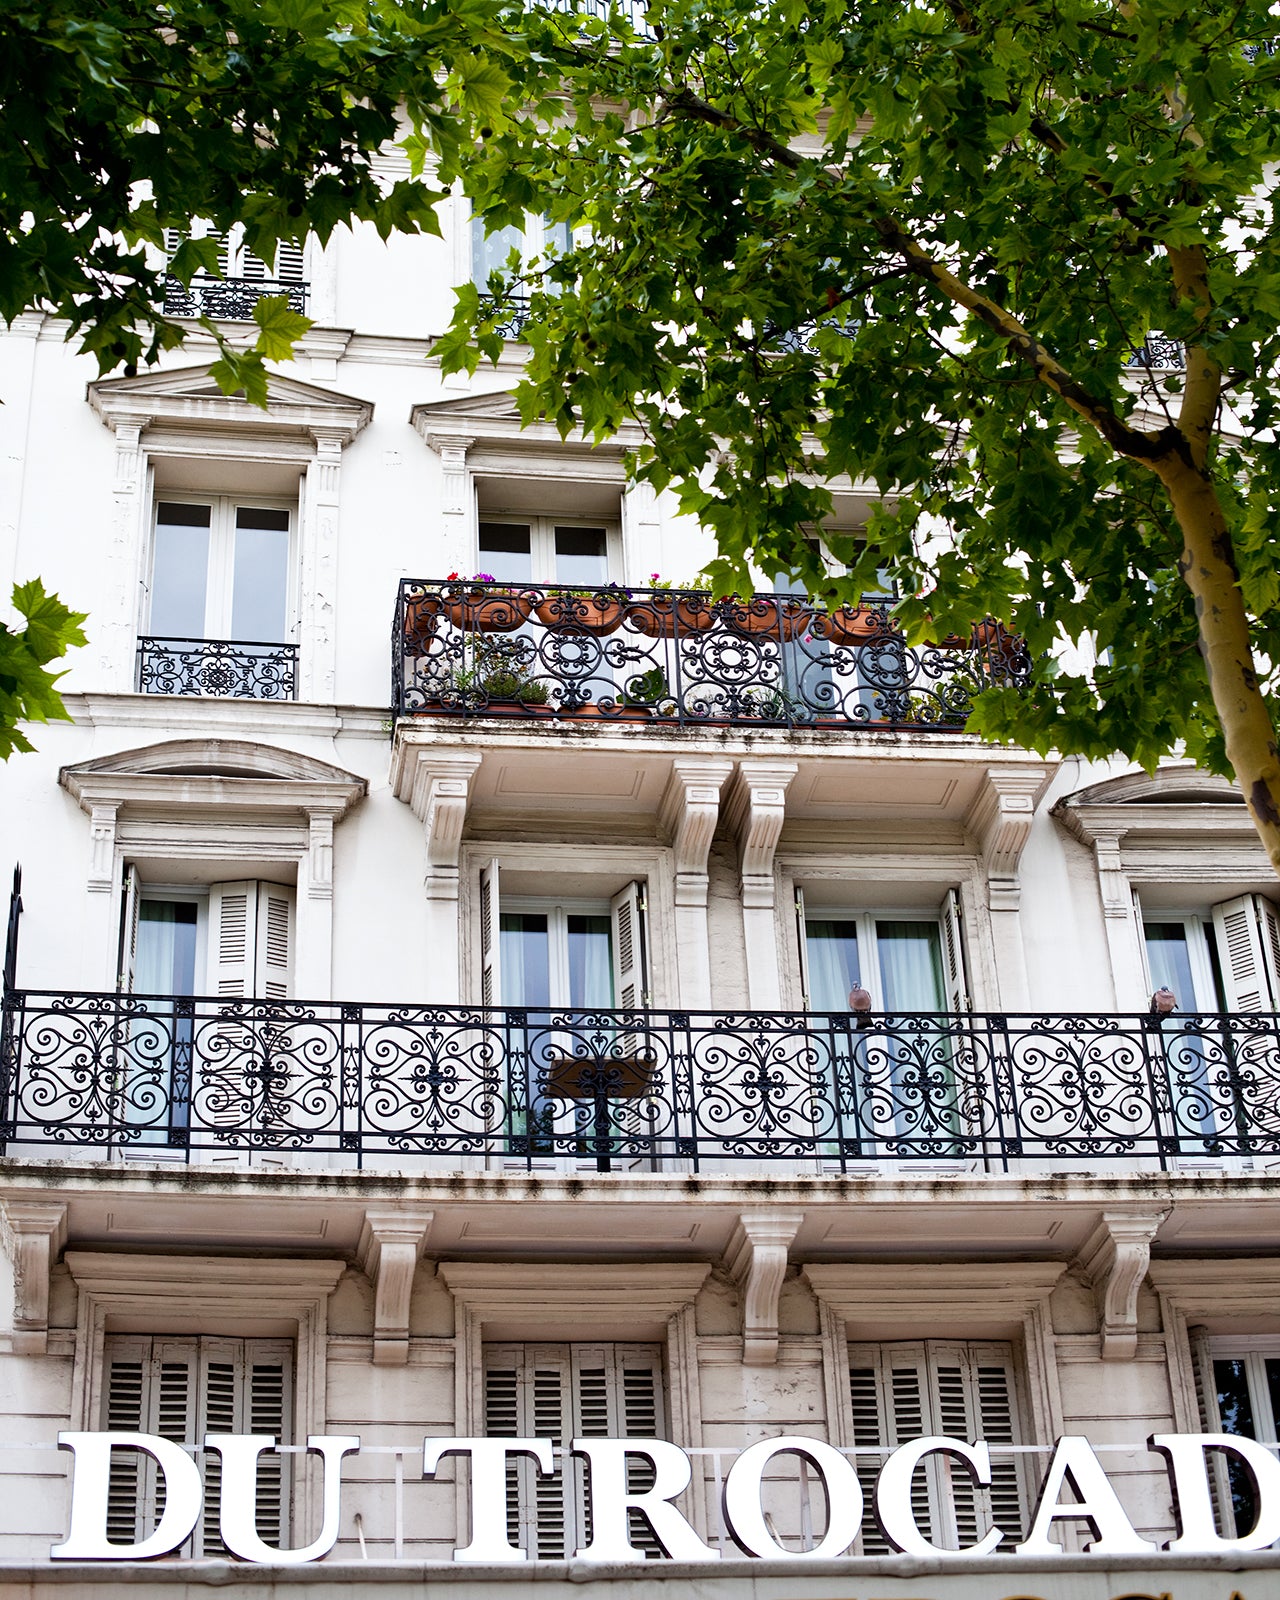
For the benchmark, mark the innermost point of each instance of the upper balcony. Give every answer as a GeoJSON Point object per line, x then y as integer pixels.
{"type": "Point", "coordinates": [668, 657]}
{"type": "Point", "coordinates": [230, 299]}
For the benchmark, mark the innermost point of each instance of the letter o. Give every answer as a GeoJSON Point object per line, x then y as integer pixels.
{"type": "Point", "coordinates": [744, 1515]}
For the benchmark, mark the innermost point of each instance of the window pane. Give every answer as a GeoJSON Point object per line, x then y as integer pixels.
{"type": "Point", "coordinates": [1169, 960]}
{"type": "Point", "coordinates": [582, 557]}
{"type": "Point", "coordinates": [506, 552]}
{"type": "Point", "coordinates": [166, 955]}
{"type": "Point", "coordinates": [910, 966]}
{"type": "Point", "coordinates": [489, 252]}
{"type": "Point", "coordinates": [1231, 1380]}
{"type": "Point", "coordinates": [180, 571]}
{"type": "Point", "coordinates": [832, 949]}
{"type": "Point", "coordinates": [523, 947]}
{"type": "Point", "coordinates": [260, 586]}
{"type": "Point", "coordinates": [590, 963]}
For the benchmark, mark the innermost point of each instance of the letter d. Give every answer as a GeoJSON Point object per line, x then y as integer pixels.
{"type": "Point", "coordinates": [87, 1536]}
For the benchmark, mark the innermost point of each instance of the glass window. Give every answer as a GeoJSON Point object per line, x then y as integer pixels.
{"type": "Point", "coordinates": [1247, 1394]}
{"type": "Point", "coordinates": [166, 956]}
{"type": "Point", "coordinates": [898, 960]}
{"type": "Point", "coordinates": [221, 570]}
{"type": "Point", "coordinates": [545, 550]}
{"type": "Point", "coordinates": [557, 958]}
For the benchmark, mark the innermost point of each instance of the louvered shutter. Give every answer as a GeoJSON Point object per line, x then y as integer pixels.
{"type": "Point", "coordinates": [562, 1392]}
{"type": "Point", "coordinates": [290, 262]}
{"type": "Point", "coordinates": [802, 945]}
{"type": "Point", "coordinates": [232, 931]}
{"type": "Point", "coordinates": [273, 955]}
{"type": "Point", "coordinates": [953, 965]}
{"type": "Point", "coordinates": [130, 905]}
{"type": "Point", "coordinates": [1248, 938]}
{"type": "Point", "coordinates": [888, 1388]}
{"type": "Point", "coordinates": [993, 1417]}
{"type": "Point", "coordinates": [630, 978]}
{"type": "Point", "coordinates": [183, 1389]}
{"type": "Point", "coordinates": [1211, 1422]}
{"type": "Point", "coordinates": [490, 944]}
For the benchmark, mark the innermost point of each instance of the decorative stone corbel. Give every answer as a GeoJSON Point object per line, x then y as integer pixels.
{"type": "Point", "coordinates": [757, 1262]}
{"type": "Point", "coordinates": [1115, 1260]}
{"type": "Point", "coordinates": [453, 464]}
{"type": "Point", "coordinates": [103, 817]}
{"type": "Point", "coordinates": [1000, 821]}
{"type": "Point", "coordinates": [690, 810]}
{"type": "Point", "coordinates": [390, 1245]}
{"type": "Point", "coordinates": [34, 1235]}
{"type": "Point", "coordinates": [756, 811]}
{"type": "Point", "coordinates": [438, 788]}
{"type": "Point", "coordinates": [320, 854]}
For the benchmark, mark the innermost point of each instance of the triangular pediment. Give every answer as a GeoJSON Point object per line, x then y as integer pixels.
{"type": "Point", "coordinates": [188, 395]}
{"type": "Point", "coordinates": [494, 418]}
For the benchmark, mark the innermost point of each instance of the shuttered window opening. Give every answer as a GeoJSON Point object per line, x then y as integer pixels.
{"type": "Point", "coordinates": [563, 1392]}
{"type": "Point", "coordinates": [236, 260]}
{"type": "Point", "coordinates": [899, 1392]}
{"type": "Point", "coordinates": [183, 1389]}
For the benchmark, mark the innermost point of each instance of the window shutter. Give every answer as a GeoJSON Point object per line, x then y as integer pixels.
{"type": "Point", "coordinates": [630, 975]}
{"type": "Point", "coordinates": [953, 967]}
{"type": "Point", "coordinates": [993, 1418]}
{"type": "Point", "coordinates": [232, 927]}
{"type": "Point", "coordinates": [1211, 1422]}
{"type": "Point", "coordinates": [1249, 952]}
{"type": "Point", "coordinates": [127, 960]}
{"type": "Point", "coordinates": [869, 1412]}
{"type": "Point", "coordinates": [290, 262]}
{"type": "Point", "coordinates": [802, 944]}
{"type": "Point", "coordinates": [490, 963]}
{"type": "Point", "coordinates": [126, 1385]}
{"type": "Point", "coordinates": [274, 941]}
{"type": "Point", "coordinates": [888, 1387]}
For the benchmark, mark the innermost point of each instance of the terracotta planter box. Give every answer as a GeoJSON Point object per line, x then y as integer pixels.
{"type": "Point", "coordinates": [659, 616]}
{"type": "Point", "coordinates": [489, 611]}
{"type": "Point", "coordinates": [851, 625]}
{"type": "Point", "coordinates": [771, 619]}
{"type": "Point", "coordinates": [585, 613]}
{"type": "Point", "coordinates": [421, 621]}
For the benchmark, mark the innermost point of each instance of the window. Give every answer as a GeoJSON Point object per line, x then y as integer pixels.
{"type": "Point", "coordinates": [547, 550]}
{"type": "Point", "coordinates": [562, 1392]}
{"type": "Point", "coordinates": [231, 939]}
{"type": "Point", "coordinates": [241, 278]}
{"type": "Point", "coordinates": [221, 572]}
{"type": "Point", "coordinates": [1243, 1389]}
{"type": "Point", "coordinates": [899, 1392]}
{"type": "Point", "coordinates": [906, 963]}
{"type": "Point", "coordinates": [538, 238]}
{"type": "Point", "coordinates": [182, 1389]}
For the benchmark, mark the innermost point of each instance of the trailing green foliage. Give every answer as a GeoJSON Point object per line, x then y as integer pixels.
{"type": "Point", "coordinates": [27, 692]}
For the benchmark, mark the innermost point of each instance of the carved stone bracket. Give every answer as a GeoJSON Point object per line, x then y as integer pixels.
{"type": "Point", "coordinates": [34, 1235]}
{"type": "Point", "coordinates": [690, 810]}
{"type": "Point", "coordinates": [390, 1245]}
{"type": "Point", "coordinates": [438, 788]}
{"type": "Point", "coordinates": [757, 1262]}
{"type": "Point", "coordinates": [103, 818]}
{"type": "Point", "coordinates": [320, 854]}
{"type": "Point", "coordinates": [756, 811]}
{"type": "Point", "coordinates": [1115, 1260]}
{"type": "Point", "coordinates": [1000, 821]}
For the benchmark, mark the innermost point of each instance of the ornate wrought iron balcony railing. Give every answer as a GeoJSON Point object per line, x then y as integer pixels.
{"type": "Point", "coordinates": [1159, 354]}
{"type": "Point", "coordinates": [231, 299]}
{"type": "Point", "coordinates": [677, 656]}
{"type": "Point", "coordinates": [242, 671]}
{"type": "Point", "coordinates": [650, 1090]}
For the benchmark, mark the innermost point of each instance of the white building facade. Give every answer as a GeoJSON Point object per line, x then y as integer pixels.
{"type": "Point", "coordinates": [427, 1018]}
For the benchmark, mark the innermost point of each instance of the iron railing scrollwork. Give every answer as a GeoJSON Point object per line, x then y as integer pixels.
{"type": "Point", "coordinates": [246, 670]}
{"type": "Point", "coordinates": [1159, 354]}
{"type": "Point", "coordinates": [230, 299]}
{"type": "Point", "coordinates": [654, 1090]}
{"type": "Point", "coordinates": [681, 657]}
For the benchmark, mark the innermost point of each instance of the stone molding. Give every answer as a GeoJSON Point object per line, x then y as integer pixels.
{"type": "Point", "coordinates": [1000, 820]}
{"type": "Point", "coordinates": [757, 1262]}
{"type": "Point", "coordinates": [391, 1243]}
{"type": "Point", "coordinates": [436, 784]}
{"type": "Point", "coordinates": [689, 813]}
{"type": "Point", "coordinates": [1115, 1260]}
{"type": "Point", "coordinates": [34, 1235]}
{"type": "Point", "coordinates": [756, 810]}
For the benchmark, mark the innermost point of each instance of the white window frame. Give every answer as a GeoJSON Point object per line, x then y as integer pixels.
{"type": "Point", "coordinates": [1198, 931]}
{"type": "Point", "coordinates": [954, 982]}
{"type": "Point", "coordinates": [220, 572]}
{"type": "Point", "coordinates": [535, 235]}
{"type": "Point", "coordinates": [542, 540]}
{"type": "Point", "coordinates": [558, 912]}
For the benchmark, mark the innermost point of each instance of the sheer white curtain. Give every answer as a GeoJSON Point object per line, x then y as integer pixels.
{"type": "Point", "coordinates": [910, 966]}
{"type": "Point", "coordinates": [834, 968]}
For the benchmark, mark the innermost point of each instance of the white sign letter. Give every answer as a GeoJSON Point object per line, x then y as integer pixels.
{"type": "Point", "coordinates": [489, 1542]}
{"type": "Point", "coordinates": [238, 1513]}
{"type": "Point", "coordinates": [893, 1495]}
{"type": "Point", "coordinates": [1113, 1533]}
{"type": "Point", "coordinates": [87, 1536]}
{"type": "Point", "coordinates": [745, 1515]}
{"type": "Point", "coordinates": [611, 1499]}
{"type": "Point", "coordinates": [1189, 1477]}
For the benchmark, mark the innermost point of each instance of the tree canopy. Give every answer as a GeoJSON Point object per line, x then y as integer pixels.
{"type": "Point", "coordinates": [915, 246]}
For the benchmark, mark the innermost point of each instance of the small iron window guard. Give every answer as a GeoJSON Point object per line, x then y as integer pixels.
{"type": "Point", "coordinates": [229, 299]}
{"type": "Point", "coordinates": [1159, 354]}
{"type": "Point", "coordinates": [234, 669]}
{"type": "Point", "coordinates": [666, 656]}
